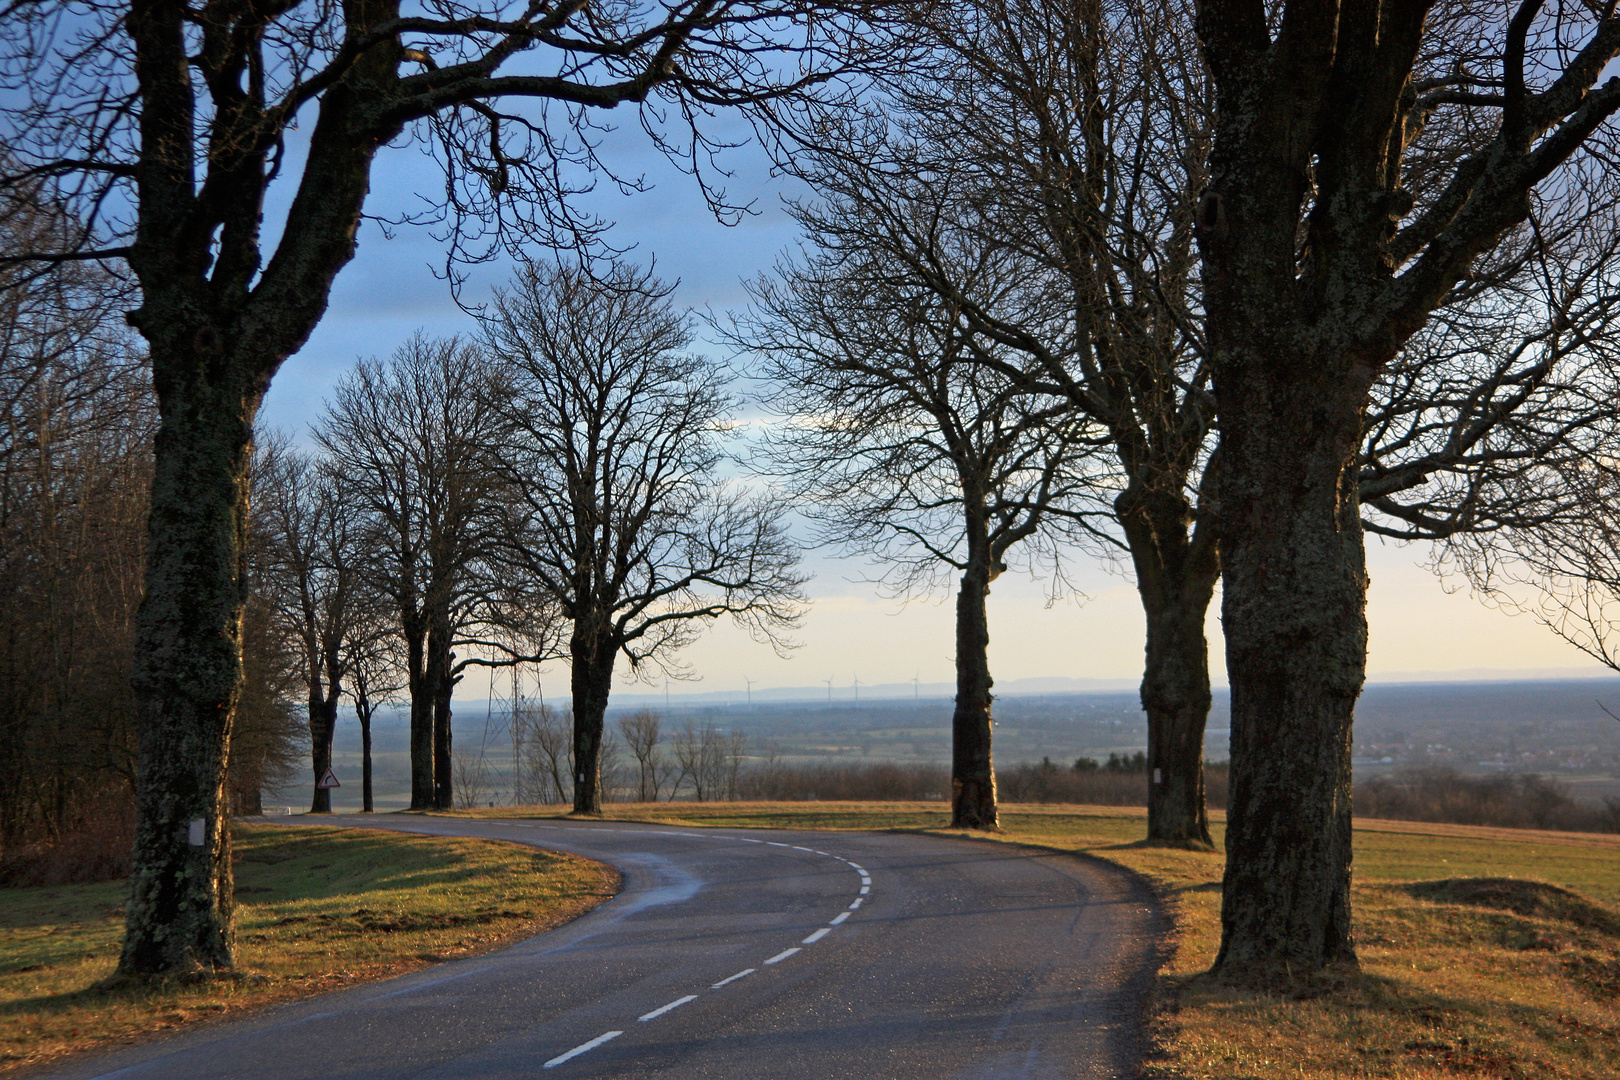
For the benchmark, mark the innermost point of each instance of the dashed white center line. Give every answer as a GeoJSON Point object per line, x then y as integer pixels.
{"type": "Point", "coordinates": [677, 1003]}
{"type": "Point", "coordinates": [866, 888]}
{"type": "Point", "coordinates": [581, 1048]}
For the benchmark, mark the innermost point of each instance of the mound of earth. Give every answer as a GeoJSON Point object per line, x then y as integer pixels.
{"type": "Point", "coordinates": [1532, 899]}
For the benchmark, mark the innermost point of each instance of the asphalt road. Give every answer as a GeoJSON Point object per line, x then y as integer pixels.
{"type": "Point", "coordinates": [740, 954]}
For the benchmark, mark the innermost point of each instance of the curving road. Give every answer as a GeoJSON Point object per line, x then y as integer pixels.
{"type": "Point", "coordinates": [745, 955]}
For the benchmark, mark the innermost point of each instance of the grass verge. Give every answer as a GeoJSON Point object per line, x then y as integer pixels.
{"type": "Point", "coordinates": [1484, 952]}
{"type": "Point", "coordinates": [318, 908]}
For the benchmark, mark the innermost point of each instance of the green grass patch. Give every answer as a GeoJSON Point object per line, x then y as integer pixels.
{"type": "Point", "coordinates": [1484, 952]}
{"type": "Point", "coordinates": [318, 908]}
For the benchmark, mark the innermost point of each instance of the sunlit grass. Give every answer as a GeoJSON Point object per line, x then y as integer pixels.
{"type": "Point", "coordinates": [319, 908]}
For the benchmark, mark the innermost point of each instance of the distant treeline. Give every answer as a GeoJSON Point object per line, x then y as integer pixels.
{"type": "Point", "coordinates": [1119, 781]}
{"type": "Point", "coordinates": [1513, 801]}
{"type": "Point", "coordinates": [1507, 800]}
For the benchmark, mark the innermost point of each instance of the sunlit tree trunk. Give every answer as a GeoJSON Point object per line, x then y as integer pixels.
{"type": "Point", "coordinates": [973, 774]}
{"type": "Point", "coordinates": [188, 664]}
{"type": "Point", "coordinates": [593, 652]}
{"type": "Point", "coordinates": [1294, 611]}
{"type": "Point", "coordinates": [322, 726]}
{"type": "Point", "coordinates": [1176, 571]}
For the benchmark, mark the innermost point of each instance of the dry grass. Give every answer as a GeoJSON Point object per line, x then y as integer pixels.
{"type": "Point", "coordinates": [1516, 976]}
{"type": "Point", "coordinates": [319, 908]}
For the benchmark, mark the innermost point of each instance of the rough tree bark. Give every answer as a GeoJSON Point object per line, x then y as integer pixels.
{"type": "Point", "coordinates": [1329, 233]}
{"type": "Point", "coordinates": [973, 777]}
{"type": "Point", "coordinates": [187, 673]}
{"type": "Point", "coordinates": [322, 726]}
{"type": "Point", "coordinates": [419, 681]}
{"type": "Point", "coordinates": [214, 347]}
{"type": "Point", "coordinates": [442, 681]}
{"type": "Point", "coordinates": [1290, 389]}
{"type": "Point", "coordinates": [1177, 564]}
{"type": "Point", "coordinates": [1294, 612]}
{"type": "Point", "coordinates": [362, 711]}
{"type": "Point", "coordinates": [592, 651]}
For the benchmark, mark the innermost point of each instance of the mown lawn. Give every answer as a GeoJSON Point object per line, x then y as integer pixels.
{"type": "Point", "coordinates": [319, 908]}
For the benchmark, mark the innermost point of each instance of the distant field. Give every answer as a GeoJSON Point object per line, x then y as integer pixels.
{"type": "Point", "coordinates": [1555, 727]}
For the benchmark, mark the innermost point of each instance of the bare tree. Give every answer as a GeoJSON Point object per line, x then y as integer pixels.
{"type": "Point", "coordinates": [547, 741]}
{"type": "Point", "coordinates": [1366, 164]}
{"type": "Point", "coordinates": [411, 441]}
{"type": "Point", "coordinates": [376, 676]}
{"type": "Point", "coordinates": [904, 442]}
{"type": "Point", "coordinates": [735, 753]}
{"type": "Point", "coordinates": [76, 423]}
{"type": "Point", "coordinates": [311, 539]}
{"type": "Point", "coordinates": [641, 730]}
{"type": "Point", "coordinates": [165, 127]}
{"type": "Point", "coordinates": [698, 759]}
{"type": "Point", "coordinates": [612, 446]}
{"type": "Point", "coordinates": [1061, 147]}
{"type": "Point", "coordinates": [1564, 573]}
{"type": "Point", "coordinates": [1070, 141]}
{"type": "Point", "coordinates": [472, 779]}
{"type": "Point", "coordinates": [270, 736]}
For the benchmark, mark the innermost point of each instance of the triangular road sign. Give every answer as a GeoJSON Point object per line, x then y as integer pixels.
{"type": "Point", "coordinates": [328, 780]}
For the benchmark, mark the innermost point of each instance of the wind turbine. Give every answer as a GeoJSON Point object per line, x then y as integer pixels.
{"type": "Point", "coordinates": [828, 681]}
{"type": "Point", "coordinates": [857, 679]}
{"type": "Point", "coordinates": [750, 683]}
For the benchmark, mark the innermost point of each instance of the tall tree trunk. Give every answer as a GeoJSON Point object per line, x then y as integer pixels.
{"type": "Point", "coordinates": [441, 682]}
{"type": "Point", "coordinates": [1294, 610]}
{"type": "Point", "coordinates": [1176, 570]}
{"type": "Point", "coordinates": [216, 336]}
{"type": "Point", "coordinates": [443, 792]}
{"type": "Point", "coordinates": [188, 666]}
{"type": "Point", "coordinates": [322, 726]}
{"type": "Point", "coordinates": [593, 652]}
{"type": "Point", "coordinates": [420, 685]}
{"type": "Point", "coordinates": [364, 714]}
{"type": "Point", "coordinates": [973, 773]}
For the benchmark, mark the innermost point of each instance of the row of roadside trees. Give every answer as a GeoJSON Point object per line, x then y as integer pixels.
{"type": "Point", "coordinates": [548, 489]}
{"type": "Point", "coordinates": [1299, 270]}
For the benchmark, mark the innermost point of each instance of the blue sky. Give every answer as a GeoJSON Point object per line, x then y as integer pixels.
{"type": "Point", "coordinates": [852, 631]}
